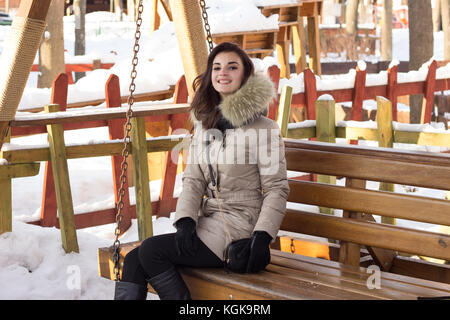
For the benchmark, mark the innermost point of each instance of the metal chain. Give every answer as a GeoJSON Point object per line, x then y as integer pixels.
{"type": "Point", "coordinates": [206, 25]}
{"type": "Point", "coordinates": [126, 140]}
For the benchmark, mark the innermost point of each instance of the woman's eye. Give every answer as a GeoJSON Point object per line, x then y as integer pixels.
{"type": "Point", "coordinates": [216, 68]}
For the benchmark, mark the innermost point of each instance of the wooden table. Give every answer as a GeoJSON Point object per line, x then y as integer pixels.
{"type": "Point", "coordinates": [291, 28]}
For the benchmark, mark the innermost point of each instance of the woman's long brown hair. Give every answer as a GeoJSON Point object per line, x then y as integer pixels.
{"type": "Point", "coordinates": [206, 98]}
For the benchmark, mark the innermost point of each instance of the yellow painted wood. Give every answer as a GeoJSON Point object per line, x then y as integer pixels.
{"type": "Point", "coordinates": [298, 44]}
{"type": "Point", "coordinates": [355, 133]}
{"type": "Point", "coordinates": [19, 170]}
{"type": "Point", "coordinates": [5, 206]}
{"type": "Point", "coordinates": [385, 140]}
{"type": "Point", "coordinates": [107, 148]}
{"type": "Point", "coordinates": [62, 184]}
{"type": "Point", "coordinates": [301, 133]}
{"type": "Point", "coordinates": [326, 132]}
{"type": "Point", "coordinates": [141, 178]}
{"type": "Point", "coordinates": [284, 109]}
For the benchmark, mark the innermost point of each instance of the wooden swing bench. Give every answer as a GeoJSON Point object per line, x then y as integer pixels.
{"type": "Point", "coordinates": [293, 276]}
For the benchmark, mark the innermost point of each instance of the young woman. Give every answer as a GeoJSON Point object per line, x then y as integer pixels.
{"type": "Point", "coordinates": [246, 154]}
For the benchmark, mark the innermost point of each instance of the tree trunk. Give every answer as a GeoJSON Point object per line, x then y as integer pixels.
{"type": "Point", "coordinates": [118, 8]}
{"type": "Point", "coordinates": [131, 10]}
{"type": "Point", "coordinates": [436, 12]}
{"type": "Point", "coordinates": [351, 17]}
{"type": "Point", "coordinates": [445, 10]}
{"type": "Point", "coordinates": [420, 46]}
{"type": "Point", "coordinates": [51, 51]}
{"type": "Point", "coordinates": [386, 31]}
{"type": "Point", "coordinates": [79, 10]}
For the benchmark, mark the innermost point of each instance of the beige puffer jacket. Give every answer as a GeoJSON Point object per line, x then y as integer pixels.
{"type": "Point", "coordinates": [249, 167]}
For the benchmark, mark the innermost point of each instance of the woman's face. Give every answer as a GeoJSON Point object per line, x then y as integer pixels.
{"type": "Point", "coordinates": [227, 73]}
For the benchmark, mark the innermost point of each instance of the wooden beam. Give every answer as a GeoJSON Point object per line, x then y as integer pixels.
{"type": "Point", "coordinates": [62, 184]}
{"type": "Point", "coordinates": [28, 9]}
{"type": "Point", "coordinates": [191, 39]}
{"type": "Point", "coordinates": [141, 178]}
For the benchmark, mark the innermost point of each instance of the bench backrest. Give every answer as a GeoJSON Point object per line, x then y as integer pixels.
{"type": "Point", "coordinates": [357, 164]}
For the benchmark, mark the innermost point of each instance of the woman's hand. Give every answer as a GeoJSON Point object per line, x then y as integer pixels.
{"type": "Point", "coordinates": [259, 252]}
{"type": "Point", "coordinates": [186, 240]}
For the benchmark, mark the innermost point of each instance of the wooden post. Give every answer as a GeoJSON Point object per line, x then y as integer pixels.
{"type": "Point", "coordinates": [314, 41]}
{"type": "Point", "coordinates": [310, 93]}
{"type": "Point", "coordinates": [7, 172]}
{"type": "Point", "coordinates": [19, 64]}
{"type": "Point", "coordinates": [177, 121]}
{"type": "Point", "coordinates": [358, 97]}
{"type": "Point", "coordinates": [326, 132]}
{"type": "Point", "coordinates": [349, 253]}
{"type": "Point", "coordinates": [49, 206]}
{"type": "Point", "coordinates": [154, 16]}
{"type": "Point", "coordinates": [282, 48]}
{"type": "Point", "coordinates": [116, 131]}
{"type": "Point", "coordinates": [274, 74]}
{"type": "Point", "coordinates": [141, 180]}
{"type": "Point", "coordinates": [5, 200]}
{"type": "Point", "coordinates": [191, 39]}
{"type": "Point", "coordinates": [386, 140]}
{"type": "Point", "coordinates": [284, 110]}
{"type": "Point", "coordinates": [391, 94]}
{"type": "Point", "coordinates": [62, 183]}
{"type": "Point", "coordinates": [298, 44]}
{"type": "Point", "coordinates": [427, 104]}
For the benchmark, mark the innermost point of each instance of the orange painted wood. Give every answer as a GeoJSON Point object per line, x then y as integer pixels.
{"type": "Point", "coordinates": [274, 74]}
{"type": "Point", "coordinates": [177, 121]}
{"type": "Point", "coordinates": [49, 206]}
{"type": "Point", "coordinates": [106, 216]}
{"type": "Point", "coordinates": [430, 84]}
{"type": "Point", "coordinates": [116, 131]}
{"type": "Point", "coordinates": [358, 97]}
{"type": "Point", "coordinates": [311, 94]}
{"type": "Point", "coordinates": [391, 93]}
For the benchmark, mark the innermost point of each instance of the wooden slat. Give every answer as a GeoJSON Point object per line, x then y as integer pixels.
{"type": "Point", "coordinates": [106, 148]}
{"type": "Point", "coordinates": [434, 158]}
{"type": "Point", "coordinates": [99, 114]}
{"type": "Point", "coordinates": [62, 184]}
{"type": "Point", "coordinates": [368, 168]}
{"type": "Point", "coordinates": [368, 233]}
{"type": "Point", "coordinates": [400, 284]}
{"type": "Point", "coordinates": [19, 170]}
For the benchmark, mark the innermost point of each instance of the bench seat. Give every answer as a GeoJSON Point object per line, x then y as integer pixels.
{"type": "Point", "coordinates": [295, 277]}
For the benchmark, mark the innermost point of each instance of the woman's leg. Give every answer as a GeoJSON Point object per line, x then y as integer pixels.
{"type": "Point", "coordinates": [158, 257]}
{"type": "Point", "coordinates": [159, 253]}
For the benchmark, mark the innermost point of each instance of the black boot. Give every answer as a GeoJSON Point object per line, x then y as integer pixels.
{"type": "Point", "coordinates": [169, 285]}
{"type": "Point", "coordinates": [129, 291]}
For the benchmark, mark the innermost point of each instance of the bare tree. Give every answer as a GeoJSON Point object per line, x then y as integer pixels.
{"type": "Point", "coordinates": [51, 51]}
{"type": "Point", "coordinates": [420, 46]}
{"type": "Point", "coordinates": [79, 10]}
{"type": "Point", "coordinates": [436, 11]}
{"type": "Point", "coordinates": [386, 31]}
{"type": "Point", "coordinates": [351, 17]}
{"type": "Point", "coordinates": [445, 10]}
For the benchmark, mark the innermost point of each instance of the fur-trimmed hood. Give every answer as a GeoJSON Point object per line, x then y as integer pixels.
{"type": "Point", "coordinates": [248, 102]}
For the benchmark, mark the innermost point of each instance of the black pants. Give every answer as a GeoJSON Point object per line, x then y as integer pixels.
{"type": "Point", "coordinates": [157, 254]}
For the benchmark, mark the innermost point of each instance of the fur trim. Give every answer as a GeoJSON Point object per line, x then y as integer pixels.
{"type": "Point", "coordinates": [249, 102]}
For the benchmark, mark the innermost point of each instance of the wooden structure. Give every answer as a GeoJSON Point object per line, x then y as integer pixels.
{"type": "Point", "coordinates": [291, 29]}
{"type": "Point", "coordinates": [80, 67]}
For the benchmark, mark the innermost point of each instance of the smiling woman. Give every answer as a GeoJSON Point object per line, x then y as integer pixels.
{"type": "Point", "coordinates": [227, 73]}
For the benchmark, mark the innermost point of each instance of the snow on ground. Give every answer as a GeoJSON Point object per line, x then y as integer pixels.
{"type": "Point", "coordinates": [33, 264]}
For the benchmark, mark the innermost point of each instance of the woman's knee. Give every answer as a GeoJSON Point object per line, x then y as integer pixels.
{"type": "Point", "coordinates": [155, 251]}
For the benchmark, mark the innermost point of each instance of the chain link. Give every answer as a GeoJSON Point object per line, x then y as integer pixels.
{"type": "Point", "coordinates": [206, 25]}
{"type": "Point", "coordinates": [126, 140]}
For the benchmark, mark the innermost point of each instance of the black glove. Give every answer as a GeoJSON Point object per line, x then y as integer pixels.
{"type": "Point", "coordinates": [259, 252]}
{"type": "Point", "coordinates": [186, 240]}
